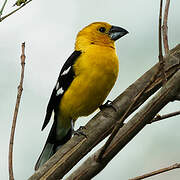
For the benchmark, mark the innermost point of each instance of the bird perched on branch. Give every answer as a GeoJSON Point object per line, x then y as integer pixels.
{"type": "Point", "coordinates": [84, 82]}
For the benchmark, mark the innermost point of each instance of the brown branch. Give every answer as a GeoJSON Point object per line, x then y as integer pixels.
{"type": "Point", "coordinates": [119, 123]}
{"type": "Point", "coordinates": [158, 117]}
{"type": "Point", "coordinates": [161, 60]}
{"type": "Point", "coordinates": [165, 27]}
{"type": "Point", "coordinates": [101, 125]}
{"type": "Point", "coordinates": [20, 89]}
{"type": "Point", "coordinates": [174, 166]}
{"type": "Point", "coordinates": [4, 17]}
{"type": "Point", "coordinates": [91, 167]}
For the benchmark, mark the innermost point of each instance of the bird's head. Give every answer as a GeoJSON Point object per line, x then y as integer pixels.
{"type": "Point", "coordinates": [99, 33]}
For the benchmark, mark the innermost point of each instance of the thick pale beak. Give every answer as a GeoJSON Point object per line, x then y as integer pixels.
{"type": "Point", "coordinates": [117, 32]}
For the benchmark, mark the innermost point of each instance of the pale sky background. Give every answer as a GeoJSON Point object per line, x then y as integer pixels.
{"type": "Point", "coordinates": [49, 29]}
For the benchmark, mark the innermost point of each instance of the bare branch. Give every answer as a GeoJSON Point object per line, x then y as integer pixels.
{"type": "Point", "coordinates": [20, 89]}
{"type": "Point", "coordinates": [158, 117]}
{"type": "Point", "coordinates": [161, 60]}
{"type": "Point", "coordinates": [174, 166]}
{"type": "Point", "coordinates": [1, 11]}
{"type": "Point", "coordinates": [91, 167]}
{"type": "Point", "coordinates": [4, 17]}
{"type": "Point", "coordinates": [165, 27]}
{"type": "Point", "coordinates": [119, 123]}
{"type": "Point", "coordinates": [101, 125]}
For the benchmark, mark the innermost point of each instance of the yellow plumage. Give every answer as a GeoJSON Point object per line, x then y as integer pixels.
{"type": "Point", "coordinates": [96, 71]}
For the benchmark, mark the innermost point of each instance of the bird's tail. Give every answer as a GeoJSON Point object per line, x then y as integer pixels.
{"type": "Point", "coordinates": [52, 145]}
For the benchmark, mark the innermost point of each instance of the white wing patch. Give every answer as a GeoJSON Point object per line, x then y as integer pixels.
{"type": "Point", "coordinates": [57, 86]}
{"type": "Point", "coordinates": [66, 71]}
{"type": "Point", "coordinates": [59, 91]}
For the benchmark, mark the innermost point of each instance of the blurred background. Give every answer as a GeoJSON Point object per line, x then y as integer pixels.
{"type": "Point", "coordinates": [49, 29]}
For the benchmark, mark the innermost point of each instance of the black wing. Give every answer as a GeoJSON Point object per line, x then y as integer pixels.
{"type": "Point", "coordinates": [64, 80]}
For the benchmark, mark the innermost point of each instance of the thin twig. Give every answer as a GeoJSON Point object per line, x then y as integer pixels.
{"type": "Point", "coordinates": [174, 166]}
{"type": "Point", "coordinates": [20, 89]}
{"type": "Point", "coordinates": [159, 117]}
{"type": "Point", "coordinates": [119, 123]}
{"type": "Point", "coordinates": [165, 27]}
{"type": "Point", "coordinates": [1, 19]}
{"type": "Point", "coordinates": [161, 60]}
{"type": "Point", "coordinates": [1, 11]}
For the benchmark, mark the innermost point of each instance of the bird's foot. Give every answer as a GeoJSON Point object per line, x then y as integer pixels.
{"type": "Point", "coordinates": [82, 127]}
{"type": "Point", "coordinates": [79, 131]}
{"type": "Point", "coordinates": [108, 104]}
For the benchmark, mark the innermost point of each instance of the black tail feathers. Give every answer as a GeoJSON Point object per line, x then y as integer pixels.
{"type": "Point", "coordinates": [51, 145]}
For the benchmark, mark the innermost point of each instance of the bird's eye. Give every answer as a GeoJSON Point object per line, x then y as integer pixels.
{"type": "Point", "coordinates": [102, 29]}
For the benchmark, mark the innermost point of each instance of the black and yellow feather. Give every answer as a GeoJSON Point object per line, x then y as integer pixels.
{"type": "Point", "coordinates": [84, 82]}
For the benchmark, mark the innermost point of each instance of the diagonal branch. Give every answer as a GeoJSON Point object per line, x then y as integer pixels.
{"type": "Point", "coordinates": [91, 167]}
{"type": "Point", "coordinates": [101, 125]}
{"type": "Point", "coordinates": [119, 123]}
{"type": "Point", "coordinates": [159, 171]}
{"type": "Point", "coordinates": [20, 89]}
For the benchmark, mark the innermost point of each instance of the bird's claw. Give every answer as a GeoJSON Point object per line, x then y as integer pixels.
{"type": "Point", "coordinates": [79, 132]}
{"type": "Point", "coordinates": [108, 104]}
{"type": "Point", "coordinates": [82, 127]}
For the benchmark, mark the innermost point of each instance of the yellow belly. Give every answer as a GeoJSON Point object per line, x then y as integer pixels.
{"type": "Point", "coordinates": [95, 77]}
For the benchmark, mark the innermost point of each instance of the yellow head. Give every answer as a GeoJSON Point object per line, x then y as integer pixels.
{"type": "Point", "coordinates": [98, 33]}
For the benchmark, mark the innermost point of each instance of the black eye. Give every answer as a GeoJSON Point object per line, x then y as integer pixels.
{"type": "Point", "coordinates": [102, 29]}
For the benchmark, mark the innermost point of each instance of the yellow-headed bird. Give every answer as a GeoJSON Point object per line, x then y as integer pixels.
{"type": "Point", "coordinates": [84, 82]}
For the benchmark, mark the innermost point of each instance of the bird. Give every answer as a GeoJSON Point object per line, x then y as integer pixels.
{"type": "Point", "coordinates": [84, 82]}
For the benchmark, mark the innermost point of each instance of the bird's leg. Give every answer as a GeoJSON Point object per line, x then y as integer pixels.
{"type": "Point", "coordinates": [108, 104]}
{"type": "Point", "coordinates": [79, 131]}
{"type": "Point", "coordinates": [82, 127]}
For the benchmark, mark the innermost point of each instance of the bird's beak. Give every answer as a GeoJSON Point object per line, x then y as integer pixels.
{"type": "Point", "coordinates": [117, 32]}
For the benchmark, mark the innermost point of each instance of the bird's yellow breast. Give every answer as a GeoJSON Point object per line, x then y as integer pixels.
{"type": "Point", "coordinates": [96, 71]}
